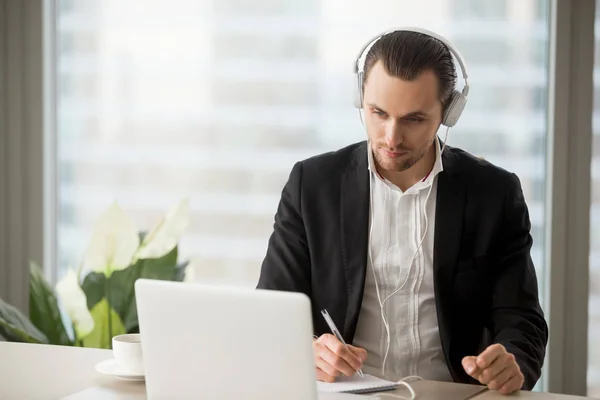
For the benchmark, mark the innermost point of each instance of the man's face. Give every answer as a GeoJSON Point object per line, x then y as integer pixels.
{"type": "Point", "coordinates": [401, 117]}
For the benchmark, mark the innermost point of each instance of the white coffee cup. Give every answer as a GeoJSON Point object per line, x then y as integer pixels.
{"type": "Point", "coordinates": [127, 351]}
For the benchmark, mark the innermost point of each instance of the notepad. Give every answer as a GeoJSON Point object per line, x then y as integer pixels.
{"type": "Point", "coordinates": [356, 384]}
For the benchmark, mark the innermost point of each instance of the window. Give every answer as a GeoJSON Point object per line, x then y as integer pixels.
{"type": "Point", "coordinates": [480, 9]}
{"type": "Point", "coordinates": [217, 100]}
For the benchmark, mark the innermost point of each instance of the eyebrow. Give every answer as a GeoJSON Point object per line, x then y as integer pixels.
{"type": "Point", "coordinates": [409, 115]}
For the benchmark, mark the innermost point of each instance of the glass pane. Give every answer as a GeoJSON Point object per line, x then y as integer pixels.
{"type": "Point", "coordinates": [593, 374]}
{"type": "Point", "coordinates": [216, 100]}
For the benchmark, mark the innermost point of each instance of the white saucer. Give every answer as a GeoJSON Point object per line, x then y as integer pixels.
{"type": "Point", "coordinates": [110, 367]}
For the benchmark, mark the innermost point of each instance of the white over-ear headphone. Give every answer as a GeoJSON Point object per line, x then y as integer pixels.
{"type": "Point", "coordinates": [458, 100]}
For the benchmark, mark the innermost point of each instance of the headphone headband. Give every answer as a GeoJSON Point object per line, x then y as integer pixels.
{"type": "Point", "coordinates": [461, 61]}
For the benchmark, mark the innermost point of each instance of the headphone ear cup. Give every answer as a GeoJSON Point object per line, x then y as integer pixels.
{"type": "Point", "coordinates": [454, 108]}
{"type": "Point", "coordinates": [357, 98]}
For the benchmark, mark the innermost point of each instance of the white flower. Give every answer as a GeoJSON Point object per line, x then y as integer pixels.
{"type": "Point", "coordinates": [113, 244]}
{"type": "Point", "coordinates": [166, 234]}
{"type": "Point", "coordinates": [75, 303]}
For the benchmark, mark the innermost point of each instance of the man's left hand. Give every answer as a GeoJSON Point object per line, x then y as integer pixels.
{"type": "Point", "coordinates": [496, 368]}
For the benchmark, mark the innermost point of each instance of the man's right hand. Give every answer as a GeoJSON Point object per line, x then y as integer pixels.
{"type": "Point", "coordinates": [333, 359]}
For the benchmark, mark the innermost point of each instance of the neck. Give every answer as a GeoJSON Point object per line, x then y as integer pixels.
{"type": "Point", "coordinates": [406, 179]}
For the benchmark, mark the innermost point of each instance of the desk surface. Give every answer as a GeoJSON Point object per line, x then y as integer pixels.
{"type": "Point", "coordinates": [32, 371]}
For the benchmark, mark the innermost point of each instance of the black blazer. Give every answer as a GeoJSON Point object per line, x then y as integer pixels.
{"type": "Point", "coordinates": [484, 279]}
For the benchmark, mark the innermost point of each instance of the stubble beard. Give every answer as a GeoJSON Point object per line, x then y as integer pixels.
{"type": "Point", "coordinates": [402, 164]}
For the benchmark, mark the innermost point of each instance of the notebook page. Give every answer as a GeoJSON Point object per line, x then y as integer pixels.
{"type": "Point", "coordinates": [356, 384]}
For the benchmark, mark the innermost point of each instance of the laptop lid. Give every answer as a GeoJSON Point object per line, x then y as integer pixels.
{"type": "Point", "coordinates": [225, 342]}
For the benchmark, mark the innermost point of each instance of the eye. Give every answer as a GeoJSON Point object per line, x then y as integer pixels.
{"type": "Point", "coordinates": [379, 113]}
{"type": "Point", "coordinates": [414, 119]}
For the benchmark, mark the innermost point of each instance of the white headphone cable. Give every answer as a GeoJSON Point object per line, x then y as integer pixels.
{"type": "Point", "coordinates": [426, 226]}
{"type": "Point", "coordinates": [381, 304]}
{"type": "Point", "coordinates": [402, 382]}
{"type": "Point", "coordinates": [403, 284]}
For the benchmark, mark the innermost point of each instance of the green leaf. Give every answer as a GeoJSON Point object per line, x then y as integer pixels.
{"type": "Point", "coordinates": [43, 308]}
{"type": "Point", "coordinates": [178, 275]}
{"type": "Point", "coordinates": [122, 295]}
{"type": "Point", "coordinates": [100, 336]}
{"type": "Point", "coordinates": [15, 327]}
{"type": "Point", "coordinates": [160, 268]}
{"type": "Point", "coordinates": [93, 287]}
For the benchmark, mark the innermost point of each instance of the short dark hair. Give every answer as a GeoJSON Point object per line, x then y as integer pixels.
{"type": "Point", "coordinates": [405, 54]}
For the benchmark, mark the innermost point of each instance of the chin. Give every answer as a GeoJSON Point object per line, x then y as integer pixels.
{"type": "Point", "coordinates": [394, 165]}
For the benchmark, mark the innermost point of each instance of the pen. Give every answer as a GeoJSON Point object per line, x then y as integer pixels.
{"type": "Point", "coordinates": [337, 334]}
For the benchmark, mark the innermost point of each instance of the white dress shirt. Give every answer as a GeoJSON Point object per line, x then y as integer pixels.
{"type": "Point", "coordinates": [397, 225]}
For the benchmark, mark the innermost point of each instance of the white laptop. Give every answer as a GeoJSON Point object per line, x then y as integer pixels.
{"type": "Point", "coordinates": [215, 342]}
{"type": "Point", "coordinates": [221, 342]}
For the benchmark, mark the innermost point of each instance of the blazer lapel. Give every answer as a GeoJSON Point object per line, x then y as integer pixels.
{"type": "Point", "coordinates": [355, 234]}
{"type": "Point", "coordinates": [449, 214]}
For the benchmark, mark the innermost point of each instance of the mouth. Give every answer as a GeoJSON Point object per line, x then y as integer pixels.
{"type": "Point", "coordinates": [394, 154]}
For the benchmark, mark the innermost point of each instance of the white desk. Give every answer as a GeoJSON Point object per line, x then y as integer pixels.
{"type": "Point", "coordinates": [32, 372]}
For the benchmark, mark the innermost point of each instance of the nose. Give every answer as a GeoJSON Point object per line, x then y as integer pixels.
{"type": "Point", "coordinates": [393, 134]}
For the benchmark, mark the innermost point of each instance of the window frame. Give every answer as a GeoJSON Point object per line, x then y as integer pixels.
{"type": "Point", "coordinates": [569, 146]}
{"type": "Point", "coordinates": [23, 228]}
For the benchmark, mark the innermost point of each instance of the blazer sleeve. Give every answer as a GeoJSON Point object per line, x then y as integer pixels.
{"type": "Point", "coordinates": [517, 320]}
{"type": "Point", "coordinates": [286, 265]}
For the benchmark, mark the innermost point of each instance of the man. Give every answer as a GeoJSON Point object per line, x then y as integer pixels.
{"type": "Point", "coordinates": [419, 251]}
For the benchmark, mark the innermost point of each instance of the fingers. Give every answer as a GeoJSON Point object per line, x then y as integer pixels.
{"type": "Point", "coordinates": [359, 352]}
{"type": "Point", "coordinates": [496, 368]}
{"type": "Point", "coordinates": [514, 384]}
{"type": "Point", "coordinates": [339, 364]}
{"type": "Point", "coordinates": [469, 364]}
{"type": "Point", "coordinates": [328, 371]}
{"type": "Point", "coordinates": [489, 355]}
{"type": "Point", "coordinates": [500, 379]}
{"type": "Point", "coordinates": [324, 377]}
{"type": "Point", "coordinates": [344, 356]}
{"type": "Point", "coordinates": [490, 372]}
{"type": "Point", "coordinates": [333, 358]}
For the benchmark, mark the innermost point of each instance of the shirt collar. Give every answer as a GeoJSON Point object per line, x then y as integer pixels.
{"type": "Point", "coordinates": [438, 167]}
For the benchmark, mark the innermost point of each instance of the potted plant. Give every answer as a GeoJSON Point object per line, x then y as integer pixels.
{"type": "Point", "coordinates": [100, 304]}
